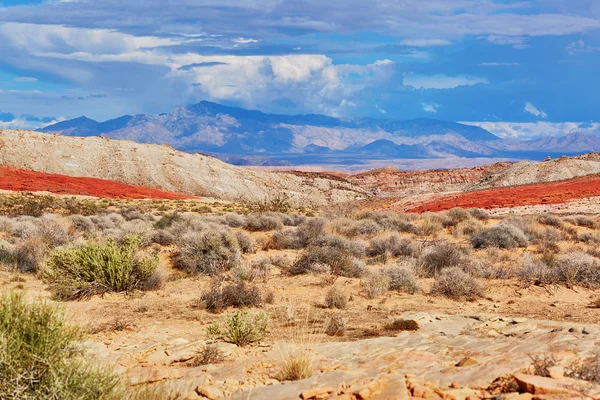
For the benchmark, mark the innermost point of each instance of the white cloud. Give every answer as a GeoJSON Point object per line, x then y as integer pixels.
{"type": "Point", "coordinates": [441, 81]}
{"type": "Point", "coordinates": [381, 110]}
{"type": "Point", "coordinates": [531, 109]}
{"type": "Point", "coordinates": [530, 130]}
{"type": "Point", "coordinates": [430, 107]}
{"type": "Point", "coordinates": [425, 42]}
{"type": "Point", "coordinates": [242, 40]}
{"type": "Point", "coordinates": [499, 64]}
{"type": "Point", "coordinates": [517, 42]}
{"type": "Point", "coordinates": [25, 79]}
{"type": "Point", "coordinates": [580, 47]}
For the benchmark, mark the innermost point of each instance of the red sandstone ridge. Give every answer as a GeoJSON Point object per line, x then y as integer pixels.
{"type": "Point", "coordinates": [528, 195]}
{"type": "Point", "coordinates": [21, 180]}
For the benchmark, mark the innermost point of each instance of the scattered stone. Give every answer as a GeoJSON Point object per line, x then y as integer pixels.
{"type": "Point", "coordinates": [556, 372]}
{"type": "Point", "coordinates": [541, 385]}
{"type": "Point", "coordinates": [466, 362]}
{"type": "Point", "coordinates": [317, 393]}
{"type": "Point", "coordinates": [209, 392]}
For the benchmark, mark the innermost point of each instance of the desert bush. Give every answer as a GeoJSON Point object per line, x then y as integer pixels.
{"type": "Point", "coordinates": [336, 298]}
{"type": "Point", "coordinates": [376, 284]}
{"type": "Point", "coordinates": [503, 236]}
{"type": "Point", "coordinates": [585, 222]}
{"type": "Point", "coordinates": [83, 224]}
{"type": "Point", "coordinates": [588, 238]}
{"type": "Point", "coordinates": [259, 268]}
{"type": "Point", "coordinates": [336, 325]}
{"type": "Point", "coordinates": [479, 214]}
{"type": "Point", "coordinates": [550, 220]}
{"type": "Point", "coordinates": [221, 295]}
{"type": "Point", "coordinates": [235, 220]}
{"type": "Point", "coordinates": [577, 268]}
{"type": "Point", "coordinates": [96, 268]}
{"type": "Point", "coordinates": [208, 252]}
{"type": "Point", "coordinates": [535, 272]}
{"type": "Point", "coordinates": [26, 228]}
{"type": "Point", "coordinates": [286, 239]}
{"type": "Point", "coordinates": [525, 223]}
{"type": "Point", "coordinates": [211, 354]}
{"type": "Point", "coordinates": [310, 231]}
{"type": "Point", "coordinates": [391, 244]}
{"type": "Point", "coordinates": [108, 221]}
{"type": "Point", "coordinates": [458, 215]}
{"type": "Point", "coordinates": [240, 328]}
{"type": "Point", "coordinates": [469, 227]}
{"type": "Point", "coordinates": [587, 369]}
{"type": "Point", "coordinates": [398, 222]}
{"type": "Point", "coordinates": [402, 279]}
{"type": "Point", "coordinates": [29, 255]}
{"type": "Point", "coordinates": [167, 220]}
{"type": "Point", "coordinates": [132, 213]}
{"type": "Point", "coordinates": [280, 261]}
{"type": "Point", "coordinates": [400, 324]}
{"type": "Point", "coordinates": [41, 357]}
{"type": "Point", "coordinates": [163, 237]}
{"type": "Point", "coordinates": [292, 219]}
{"type": "Point", "coordinates": [245, 242]}
{"type": "Point", "coordinates": [430, 225]}
{"type": "Point", "coordinates": [364, 227]}
{"type": "Point", "coordinates": [435, 258]}
{"type": "Point", "coordinates": [327, 259]}
{"type": "Point", "coordinates": [455, 283]}
{"type": "Point", "coordinates": [6, 224]}
{"type": "Point", "coordinates": [355, 247]}
{"type": "Point", "coordinates": [263, 222]}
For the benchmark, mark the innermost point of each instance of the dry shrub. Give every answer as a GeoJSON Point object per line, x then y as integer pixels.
{"type": "Point", "coordinates": [587, 369]}
{"type": "Point", "coordinates": [589, 238]}
{"type": "Point", "coordinates": [430, 225]}
{"type": "Point", "coordinates": [222, 295]}
{"type": "Point", "coordinates": [235, 220]}
{"type": "Point", "coordinates": [375, 285]}
{"type": "Point", "coordinates": [456, 284]}
{"type": "Point", "coordinates": [458, 215]}
{"type": "Point", "coordinates": [479, 214]}
{"type": "Point", "coordinates": [29, 256]}
{"type": "Point", "coordinates": [211, 354]}
{"type": "Point", "coordinates": [336, 325]}
{"type": "Point", "coordinates": [263, 222]}
{"type": "Point", "coordinates": [502, 236]}
{"type": "Point", "coordinates": [336, 298]}
{"type": "Point", "coordinates": [391, 244]}
{"type": "Point", "coordinates": [438, 257]}
{"type": "Point", "coordinates": [285, 239]}
{"type": "Point", "coordinates": [327, 259]}
{"type": "Point", "coordinates": [550, 220]}
{"type": "Point", "coordinates": [400, 324]}
{"type": "Point", "coordinates": [402, 279]}
{"type": "Point", "coordinates": [364, 227]}
{"type": "Point", "coordinates": [578, 268]}
{"type": "Point", "coordinates": [399, 222]}
{"type": "Point", "coordinates": [469, 227]}
{"type": "Point", "coordinates": [535, 272]}
{"type": "Point", "coordinates": [208, 252]}
{"type": "Point", "coordinates": [245, 242]}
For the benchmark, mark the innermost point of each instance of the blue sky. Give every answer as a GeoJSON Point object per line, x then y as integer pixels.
{"type": "Point", "coordinates": [519, 68]}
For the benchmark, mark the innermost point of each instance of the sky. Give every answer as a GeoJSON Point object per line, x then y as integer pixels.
{"type": "Point", "coordinates": [517, 68]}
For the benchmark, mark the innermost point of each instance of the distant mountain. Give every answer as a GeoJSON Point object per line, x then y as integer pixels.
{"type": "Point", "coordinates": [244, 136]}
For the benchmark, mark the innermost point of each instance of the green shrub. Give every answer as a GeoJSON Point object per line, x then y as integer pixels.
{"type": "Point", "coordinates": [240, 328]}
{"type": "Point", "coordinates": [40, 356]}
{"type": "Point", "coordinates": [96, 268]}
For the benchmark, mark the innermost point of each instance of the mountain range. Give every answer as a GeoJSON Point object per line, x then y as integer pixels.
{"type": "Point", "coordinates": [250, 137]}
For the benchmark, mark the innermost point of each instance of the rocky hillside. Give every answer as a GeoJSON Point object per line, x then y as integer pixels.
{"type": "Point", "coordinates": [165, 168]}
{"type": "Point", "coordinates": [551, 170]}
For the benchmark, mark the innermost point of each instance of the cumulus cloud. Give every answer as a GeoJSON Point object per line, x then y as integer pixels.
{"type": "Point", "coordinates": [531, 109]}
{"type": "Point", "coordinates": [580, 47]}
{"type": "Point", "coordinates": [441, 81]}
{"type": "Point", "coordinates": [430, 107]}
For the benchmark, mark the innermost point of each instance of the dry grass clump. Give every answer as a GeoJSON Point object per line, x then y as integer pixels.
{"type": "Point", "coordinates": [209, 252]}
{"type": "Point", "coordinates": [336, 298]}
{"type": "Point", "coordinates": [97, 268]}
{"type": "Point", "coordinates": [502, 236]}
{"type": "Point", "coordinates": [456, 284]}
{"type": "Point", "coordinates": [582, 221]}
{"type": "Point", "coordinates": [435, 258]}
{"type": "Point", "coordinates": [375, 285]}
{"type": "Point", "coordinates": [398, 222]}
{"type": "Point", "coordinates": [211, 354]}
{"type": "Point", "coordinates": [30, 254]}
{"type": "Point", "coordinates": [588, 238]}
{"type": "Point", "coordinates": [402, 279]}
{"type": "Point", "coordinates": [41, 356]}
{"type": "Point", "coordinates": [469, 227]}
{"type": "Point", "coordinates": [430, 225]}
{"type": "Point", "coordinates": [296, 366]}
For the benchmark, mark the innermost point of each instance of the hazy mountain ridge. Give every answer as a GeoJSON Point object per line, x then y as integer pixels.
{"type": "Point", "coordinates": [223, 130]}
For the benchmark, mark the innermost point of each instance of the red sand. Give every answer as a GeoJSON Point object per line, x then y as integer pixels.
{"type": "Point", "coordinates": [528, 195]}
{"type": "Point", "coordinates": [21, 180]}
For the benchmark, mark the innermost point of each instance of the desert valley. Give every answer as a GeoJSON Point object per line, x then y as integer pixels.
{"type": "Point", "coordinates": [190, 278]}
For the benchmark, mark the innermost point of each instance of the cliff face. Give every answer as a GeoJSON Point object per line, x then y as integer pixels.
{"type": "Point", "coordinates": [162, 167]}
